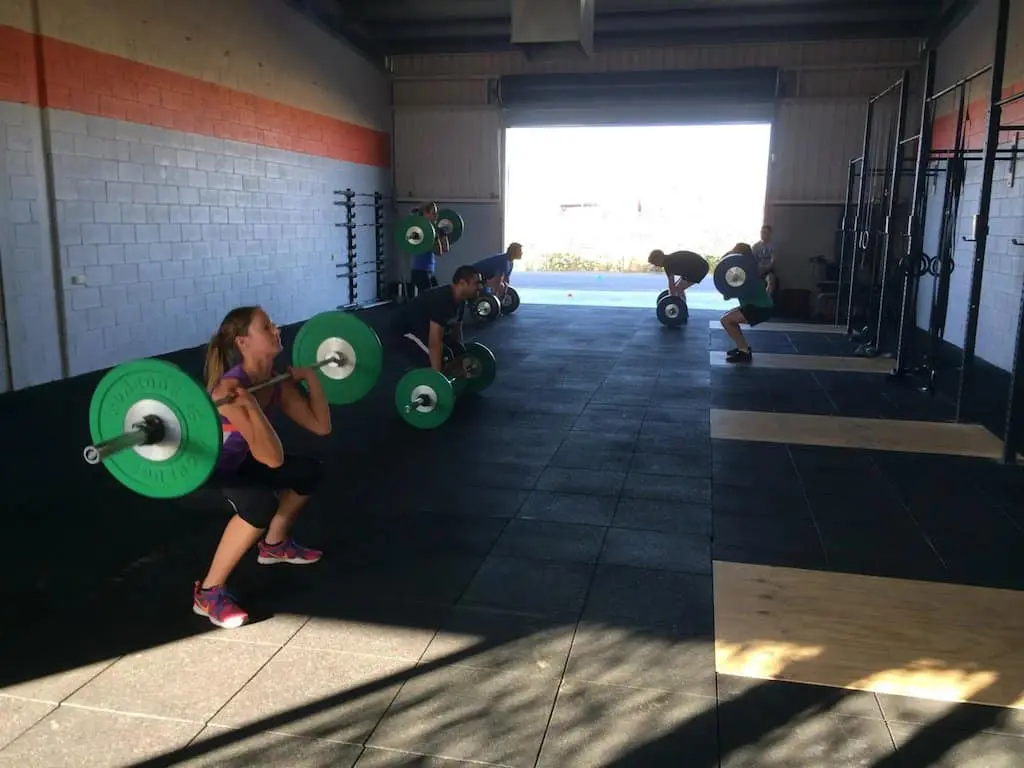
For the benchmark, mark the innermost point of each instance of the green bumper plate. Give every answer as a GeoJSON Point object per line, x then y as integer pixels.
{"type": "Point", "coordinates": [415, 235]}
{"type": "Point", "coordinates": [450, 223]}
{"type": "Point", "coordinates": [436, 387]}
{"type": "Point", "coordinates": [483, 356]}
{"type": "Point", "coordinates": [156, 387]}
{"type": "Point", "coordinates": [340, 332]}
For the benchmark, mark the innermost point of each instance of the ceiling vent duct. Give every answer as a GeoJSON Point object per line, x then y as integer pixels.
{"type": "Point", "coordinates": [554, 24]}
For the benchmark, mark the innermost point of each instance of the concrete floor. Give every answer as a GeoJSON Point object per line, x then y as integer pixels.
{"type": "Point", "coordinates": [530, 585]}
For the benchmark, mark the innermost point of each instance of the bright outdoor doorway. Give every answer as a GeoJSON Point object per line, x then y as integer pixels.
{"type": "Point", "coordinates": [590, 203]}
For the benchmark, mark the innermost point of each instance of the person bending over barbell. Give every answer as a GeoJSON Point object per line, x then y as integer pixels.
{"type": "Point", "coordinates": [421, 329]}
{"type": "Point", "coordinates": [755, 309]}
{"type": "Point", "coordinates": [265, 486]}
{"type": "Point", "coordinates": [496, 270]}
{"type": "Point", "coordinates": [682, 268]}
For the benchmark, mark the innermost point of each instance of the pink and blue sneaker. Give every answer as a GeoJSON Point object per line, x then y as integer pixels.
{"type": "Point", "coordinates": [217, 604]}
{"type": "Point", "coordinates": [286, 552]}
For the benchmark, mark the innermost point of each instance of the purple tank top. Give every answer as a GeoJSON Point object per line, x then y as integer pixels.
{"type": "Point", "coordinates": [234, 449]}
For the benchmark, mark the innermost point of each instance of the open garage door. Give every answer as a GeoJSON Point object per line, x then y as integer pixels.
{"type": "Point", "coordinates": [640, 98]}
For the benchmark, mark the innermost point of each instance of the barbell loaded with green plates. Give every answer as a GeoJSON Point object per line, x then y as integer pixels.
{"type": "Point", "coordinates": [416, 234]}
{"type": "Point", "coordinates": [425, 398]}
{"type": "Point", "coordinates": [157, 430]}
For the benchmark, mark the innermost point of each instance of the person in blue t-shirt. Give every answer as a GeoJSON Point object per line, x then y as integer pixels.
{"type": "Point", "coordinates": [497, 269]}
{"type": "Point", "coordinates": [425, 264]}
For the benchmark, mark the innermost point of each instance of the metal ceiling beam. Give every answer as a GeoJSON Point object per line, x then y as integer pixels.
{"type": "Point", "coordinates": [414, 11]}
{"type": "Point", "coordinates": [669, 38]}
{"type": "Point", "coordinates": [660, 21]}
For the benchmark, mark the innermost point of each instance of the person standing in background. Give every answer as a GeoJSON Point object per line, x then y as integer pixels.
{"type": "Point", "coordinates": [424, 265]}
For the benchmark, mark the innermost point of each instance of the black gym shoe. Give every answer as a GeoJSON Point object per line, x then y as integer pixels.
{"type": "Point", "coordinates": [740, 357]}
{"type": "Point", "coordinates": [735, 351]}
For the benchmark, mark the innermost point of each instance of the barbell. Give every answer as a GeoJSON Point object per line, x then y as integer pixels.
{"type": "Point", "coordinates": [417, 234]}
{"type": "Point", "coordinates": [737, 276]}
{"type": "Point", "coordinates": [488, 307]}
{"type": "Point", "coordinates": [157, 430]}
{"type": "Point", "coordinates": [426, 398]}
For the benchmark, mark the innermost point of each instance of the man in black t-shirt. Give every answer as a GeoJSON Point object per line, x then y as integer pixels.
{"type": "Point", "coordinates": [683, 269]}
{"type": "Point", "coordinates": [421, 328]}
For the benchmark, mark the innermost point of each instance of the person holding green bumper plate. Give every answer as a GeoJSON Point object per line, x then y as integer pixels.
{"type": "Point", "coordinates": [266, 487]}
{"type": "Point", "coordinates": [754, 310]}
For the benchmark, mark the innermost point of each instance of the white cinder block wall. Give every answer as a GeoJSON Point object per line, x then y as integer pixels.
{"type": "Point", "coordinates": [965, 51]}
{"type": "Point", "coordinates": [193, 154]}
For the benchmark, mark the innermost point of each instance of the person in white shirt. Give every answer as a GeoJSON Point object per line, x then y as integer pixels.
{"type": "Point", "coordinates": [764, 252]}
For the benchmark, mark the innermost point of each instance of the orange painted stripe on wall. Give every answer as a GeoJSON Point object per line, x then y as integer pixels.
{"type": "Point", "coordinates": [82, 80]}
{"type": "Point", "coordinates": [944, 131]}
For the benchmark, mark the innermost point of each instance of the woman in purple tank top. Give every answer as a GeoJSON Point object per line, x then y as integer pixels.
{"type": "Point", "coordinates": [265, 486]}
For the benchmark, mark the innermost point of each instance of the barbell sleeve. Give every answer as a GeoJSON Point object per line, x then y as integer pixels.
{"type": "Point", "coordinates": [417, 402]}
{"type": "Point", "coordinates": [148, 431]}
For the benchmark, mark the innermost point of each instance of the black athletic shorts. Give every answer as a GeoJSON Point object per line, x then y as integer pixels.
{"type": "Point", "coordinates": [694, 274]}
{"type": "Point", "coordinates": [252, 488]}
{"type": "Point", "coordinates": [417, 354]}
{"type": "Point", "coordinates": [755, 315]}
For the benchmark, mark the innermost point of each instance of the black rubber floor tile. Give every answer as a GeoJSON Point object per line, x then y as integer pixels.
{"type": "Point", "coordinates": [621, 396]}
{"type": "Point", "coordinates": [952, 715]}
{"type": "Point", "coordinates": [544, 540]}
{"type": "Point", "coordinates": [807, 403]}
{"type": "Point", "coordinates": [612, 411]}
{"type": "Point", "coordinates": [496, 475]}
{"type": "Point", "coordinates": [678, 412]}
{"type": "Point", "coordinates": [855, 508]}
{"type": "Point", "coordinates": [673, 446]}
{"type": "Point", "coordinates": [600, 441]}
{"type": "Point", "coordinates": [920, 566]}
{"type": "Point", "coordinates": [655, 550]}
{"type": "Point", "coordinates": [940, 747]}
{"type": "Point", "coordinates": [754, 477]}
{"type": "Point", "coordinates": [666, 516]}
{"type": "Point", "coordinates": [685, 432]}
{"type": "Point", "coordinates": [584, 481]}
{"type": "Point", "coordinates": [752, 502]}
{"type": "Point", "coordinates": [470, 500]}
{"type": "Point", "coordinates": [549, 422]}
{"type": "Point", "coordinates": [811, 559]}
{"type": "Point", "coordinates": [595, 457]}
{"type": "Point", "coordinates": [840, 481]}
{"type": "Point", "coordinates": [802, 699]}
{"type": "Point", "coordinates": [688, 490]}
{"type": "Point", "coordinates": [610, 725]}
{"type": "Point", "coordinates": [531, 586]}
{"type": "Point", "coordinates": [670, 465]}
{"type": "Point", "coordinates": [895, 536]}
{"type": "Point", "coordinates": [748, 452]}
{"type": "Point", "coordinates": [625, 426]}
{"type": "Point", "coordinates": [569, 508]}
{"type": "Point", "coordinates": [425, 534]}
{"type": "Point", "coordinates": [794, 740]}
{"type": "Point", "coordinates": [812, 457]}
{"type": "Point", "coordinates": [680, 602]}
{"type": "Point", "coordinates": [741, 401]}
{"type": "Point", "coordinates": [765, 533]}
{"type": "Point", "coordinates": [429, 579]}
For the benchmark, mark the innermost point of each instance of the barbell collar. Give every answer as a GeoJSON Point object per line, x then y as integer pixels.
{"type": "Point", "coordinates": [146, 432]}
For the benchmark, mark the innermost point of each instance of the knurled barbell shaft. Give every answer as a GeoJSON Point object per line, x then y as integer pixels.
{"type": "Point", "coordinates": [144, 433]}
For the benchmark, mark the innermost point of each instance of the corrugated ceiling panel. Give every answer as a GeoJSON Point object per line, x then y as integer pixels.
{"type": "Point", "coordinates": [812, 144]}
{"type": "Point", "coordinates": [447, 154]}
